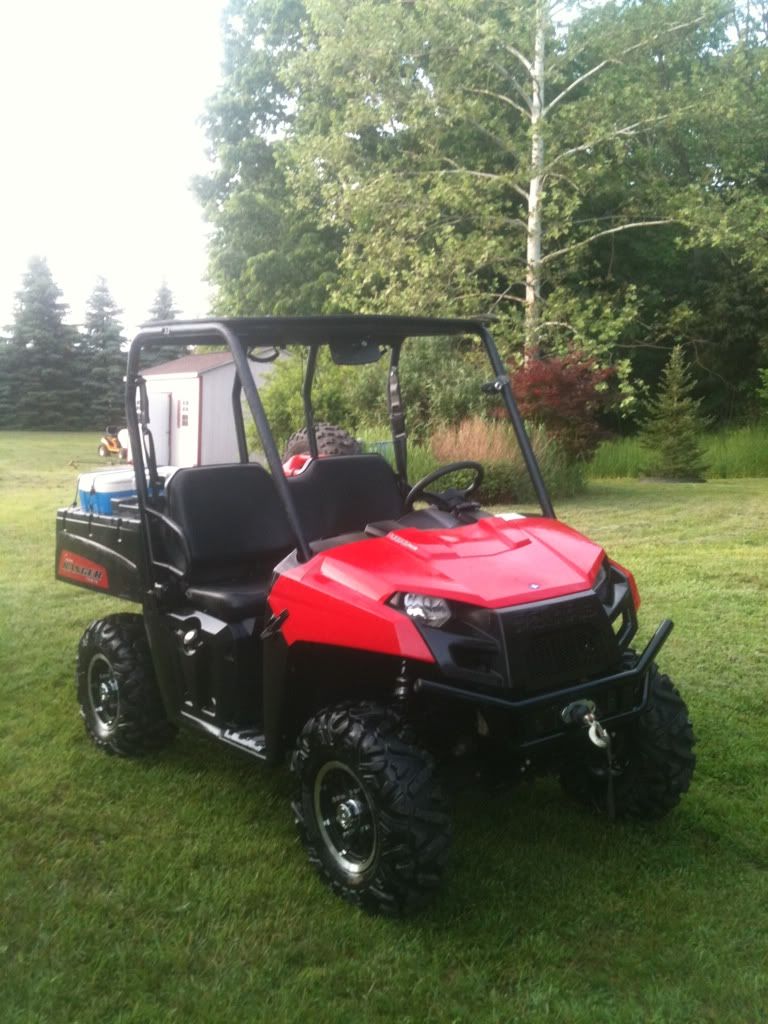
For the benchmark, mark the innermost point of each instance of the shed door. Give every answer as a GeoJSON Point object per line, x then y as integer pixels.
{"type": "Point", "coordinates": [160, 425]}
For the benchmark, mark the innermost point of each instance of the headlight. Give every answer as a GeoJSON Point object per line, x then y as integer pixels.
{"type": "Point", "coordinates": [432, 611]}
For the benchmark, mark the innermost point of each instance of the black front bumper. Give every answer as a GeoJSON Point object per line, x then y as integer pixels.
{"type": "Point", "coordinates": [619, 697]}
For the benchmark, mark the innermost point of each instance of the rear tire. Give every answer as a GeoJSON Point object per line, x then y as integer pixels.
{"type": "Point", "coordinates": [653, 760]}
{"type": "Point", "coordinates": [103, 451]}
{"type": "Point", "coordinates": [370, 813]}
{"type": "Point", "coordinates": [331, 440]}
{"type": "Point", "coordinates": [119, 701]}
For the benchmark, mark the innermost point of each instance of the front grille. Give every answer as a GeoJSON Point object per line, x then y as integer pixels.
{"type": "Point", "coordinates": [554, 644]}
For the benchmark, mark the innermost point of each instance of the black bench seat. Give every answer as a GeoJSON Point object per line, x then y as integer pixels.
{"type": "Point", "coordinates": [236, 529]}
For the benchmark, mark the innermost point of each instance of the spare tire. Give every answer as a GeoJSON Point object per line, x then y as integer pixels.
{"type": "Point", "coordinates": [331, 440]}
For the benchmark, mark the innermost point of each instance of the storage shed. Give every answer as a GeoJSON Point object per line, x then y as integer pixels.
{"type": "Point", "coordinates": [190, 401]}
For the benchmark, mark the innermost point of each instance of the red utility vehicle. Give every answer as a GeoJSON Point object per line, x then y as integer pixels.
{"type": "Point", "coordinates": [369, 629]}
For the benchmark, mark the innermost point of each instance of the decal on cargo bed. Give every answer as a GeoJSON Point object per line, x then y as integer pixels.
{"type": "Point", "coordinates": [83, 570]}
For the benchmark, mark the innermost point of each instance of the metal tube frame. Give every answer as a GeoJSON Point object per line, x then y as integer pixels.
{"type": "Point", "coordinates": [306, 397]}
{"type": "Point", "coordinates": [502, 385]}
{"type": "Point", "coordinates": [184, 332]}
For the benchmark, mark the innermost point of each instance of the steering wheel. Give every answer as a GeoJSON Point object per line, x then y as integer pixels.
{"type": "Point", "coordinates": [454, 496]}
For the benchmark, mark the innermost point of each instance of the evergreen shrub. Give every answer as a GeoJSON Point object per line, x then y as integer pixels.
{"type": "Point", "coordinates": [673, 434]}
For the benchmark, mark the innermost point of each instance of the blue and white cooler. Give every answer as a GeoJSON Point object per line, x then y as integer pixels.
{"type": "Point", "coordinates": [97, 491]}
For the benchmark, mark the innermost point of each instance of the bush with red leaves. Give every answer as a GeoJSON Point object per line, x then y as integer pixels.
{"type": "Point", "coordinates": [566, 395]}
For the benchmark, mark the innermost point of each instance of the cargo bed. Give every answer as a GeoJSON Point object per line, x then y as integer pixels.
{"type": "Point", "coordinates": [100, 552]}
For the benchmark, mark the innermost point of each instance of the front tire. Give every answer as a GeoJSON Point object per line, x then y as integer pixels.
{"type": "Point", "coordinates": [653, 760]}
{"type": "Point", "coordinates": [370, 813]}
{"type": "Point", "coordinates": [119, 701]}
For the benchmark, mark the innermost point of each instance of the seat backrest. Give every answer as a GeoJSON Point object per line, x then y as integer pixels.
{"type": "Point", "coordinates": [343, 493]}
{"type": "Point", "coordinates": [232, 518]}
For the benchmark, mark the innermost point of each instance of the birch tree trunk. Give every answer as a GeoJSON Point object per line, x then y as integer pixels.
{"type": "Point", "coordinates": [533, 247]}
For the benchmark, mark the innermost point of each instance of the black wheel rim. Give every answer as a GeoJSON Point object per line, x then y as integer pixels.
{"type": "Point", "coordinates": [103, 692]}
{"type": "Point", "coordinates": [345, 818]}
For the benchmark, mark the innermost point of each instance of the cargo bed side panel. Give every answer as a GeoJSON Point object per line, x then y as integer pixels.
{"type": "Point", "coordinates": [98, 552]}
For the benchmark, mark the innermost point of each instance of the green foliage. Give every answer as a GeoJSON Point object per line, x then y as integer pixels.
{"type": "Point", "coordinates": [376, 157]}
{"type": "Point", "coordinates": [673, 432]}
{"type": "Point", "coordinates": [53, 376]}
{"type": "Point", "coordinates": [42, 364]}
{"type": "Point", "coordinates": [352, 397]}
{"type": "Point", "coordinates": [729, 454]}
{"type": "Point", "coordinates": [163, 307]}
{"type": "Point", "coordinates": [103, 344]}
{"type": "Point", "coordinates": [762, 391]}
{"type": "Point", "coordinates": [440, 379]}
{"type": "Point", "coordinates": [737, 453]}
{"type": "Point", "coordinates": [622, 457]}
{"type": "Point", "coordinates": [270, 253]}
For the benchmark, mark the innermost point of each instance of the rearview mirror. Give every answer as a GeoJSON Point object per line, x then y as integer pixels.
{"type": "Point", "coordinates": [354, 352]}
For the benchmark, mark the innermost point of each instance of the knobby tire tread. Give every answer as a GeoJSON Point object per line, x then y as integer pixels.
{"type": "Point", "coordinates": [660, 764]}
{"type": "Point", "coordinates": [142, 726]}
{"type": "Point", "coordinates": [331, 440]}
{"type": "Point", "coordinates": [413, 820]}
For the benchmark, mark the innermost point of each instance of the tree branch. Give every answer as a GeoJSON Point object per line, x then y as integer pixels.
{"type": "Point", "coordinates": [562, 177]}
{"type": "Point", "coordinates": [601, 234]}
{"type": "Point", "coordinates": [505, 73]}
{"type": "Point", "coordinates": [627, 130]}
{"type": "Point", "coordinates": [617, 60]}
{"type": "Point", "coordinates": [505, 296]}
{"type": "Point", "coordinates": [485, 175]}
{"type": "Point", "coordinates": [525, 111]}
{"type": "Point", "coordinates": [577, 81]}
{"type": "Point", "coordinates": [523, 60]}
{"type": "Point", "coordinates": [558, 323]}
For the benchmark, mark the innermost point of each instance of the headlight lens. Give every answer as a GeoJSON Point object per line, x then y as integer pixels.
{"type": "Point", "coordinates": [432, 611]}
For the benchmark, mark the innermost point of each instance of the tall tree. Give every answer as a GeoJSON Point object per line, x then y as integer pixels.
{"type": "Point", "coordinates": [103, 343]}
{"type": "Point", "coordinates": [41, 376]}
{"type": "Point", "coordinates": [270, 251]}
{"type": "Point", "coordinates": [468, 152]}
{"type": "Point", "coordinates": [588, 173]}
{"type": "Point", "coordinates": [163, 307]}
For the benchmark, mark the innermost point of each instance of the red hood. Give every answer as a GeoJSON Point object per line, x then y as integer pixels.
{"type": "Point", "coordinates": [493, 563]}
{"type": "Point", "coordinates": [339, 596]}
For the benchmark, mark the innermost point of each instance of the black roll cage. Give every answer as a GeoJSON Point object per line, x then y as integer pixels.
{"type": "Point", "coordinates": [241, 335]}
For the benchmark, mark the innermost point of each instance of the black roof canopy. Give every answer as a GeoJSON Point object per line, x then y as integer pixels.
{"type": "Point", "coordinates": [313, 330]}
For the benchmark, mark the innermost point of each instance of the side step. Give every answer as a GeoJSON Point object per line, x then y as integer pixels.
{"type": "Point", "coordinates": [250, 741]}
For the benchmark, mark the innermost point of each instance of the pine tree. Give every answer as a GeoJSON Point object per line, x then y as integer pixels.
{"type": "Point", "coordinates": [162, 309]}
{"type": "Point", "coordinates": [672, 434]}
{"type": "Point", "coordinates": [103, 343]}
{"type": "Point", "coordinates": [42, 372]}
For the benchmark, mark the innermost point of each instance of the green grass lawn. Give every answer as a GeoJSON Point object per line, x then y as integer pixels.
{"type": "Point", "coordinates": [173, 889]}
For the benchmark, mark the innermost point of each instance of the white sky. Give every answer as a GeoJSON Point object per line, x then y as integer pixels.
{"type": "Point", "coordinates": [99, 138]}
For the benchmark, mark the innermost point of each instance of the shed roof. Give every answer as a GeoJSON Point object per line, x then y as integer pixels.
{"type": "Point", "coordinates": [194, 364]}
